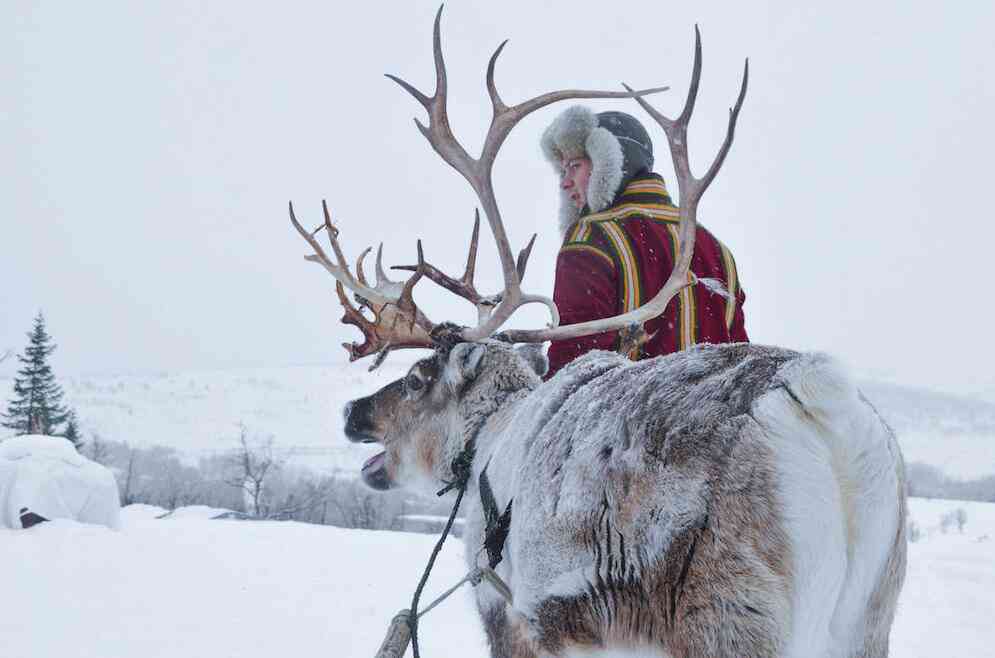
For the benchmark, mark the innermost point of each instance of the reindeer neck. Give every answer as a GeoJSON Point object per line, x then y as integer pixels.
{"type": "Point", "coordinates": [489, 446]}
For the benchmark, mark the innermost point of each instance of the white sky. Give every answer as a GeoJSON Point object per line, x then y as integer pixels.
{"type": "Point", "coordinates": [149, 150]}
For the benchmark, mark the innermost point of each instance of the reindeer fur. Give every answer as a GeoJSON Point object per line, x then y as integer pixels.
{"type": "Point", "coordinates": [727, 500]}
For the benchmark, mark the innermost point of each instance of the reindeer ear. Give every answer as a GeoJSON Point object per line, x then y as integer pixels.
{"type": "Point", "coordinates": [467, 358]}
{"type": "Point", "coordinates": [534, 356]}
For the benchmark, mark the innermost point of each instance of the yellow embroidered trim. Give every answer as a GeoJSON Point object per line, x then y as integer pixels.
{"type": "Point", "coordinates": [630, 269]}
{"type": "Point", "coordinates": [589, 249]}
{"type": "Point", "coordinates": [687, 325]}
{"type": "Point", "coordinates": [732, 280]}
{"type": "Point", "coordinates": [689, 328]}
{"type": "Point", "coordinates": [580, 233]}
{"type": "Point", "coordinates": [658, 211]}
{"type": "Point", "coordinates": [653, 186]}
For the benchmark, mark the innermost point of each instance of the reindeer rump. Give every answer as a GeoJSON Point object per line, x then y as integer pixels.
{"type": "Point", "coordinates": [726, 500]}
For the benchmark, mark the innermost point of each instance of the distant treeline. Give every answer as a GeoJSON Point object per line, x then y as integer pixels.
{"type": "Point", "coordinates": [255, 480]}
{"type": "Point", "coordinates": [926, 481]}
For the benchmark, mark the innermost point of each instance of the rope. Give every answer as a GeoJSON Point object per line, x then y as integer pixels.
{"type": "Point", "coordinates": [472, 577]}
{"type": "Point", "coordinates": [461, 469]}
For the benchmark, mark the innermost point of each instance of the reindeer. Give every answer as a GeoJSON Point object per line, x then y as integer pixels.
{"type": "Point", "coordinates": [724, 501]}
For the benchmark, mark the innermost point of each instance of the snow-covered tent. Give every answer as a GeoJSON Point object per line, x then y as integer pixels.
{"type": "Point", "coordinates": [44, 476]}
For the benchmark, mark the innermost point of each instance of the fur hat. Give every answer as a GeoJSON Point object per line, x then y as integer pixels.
{"type": "Point", "coordinates": [616, 143]}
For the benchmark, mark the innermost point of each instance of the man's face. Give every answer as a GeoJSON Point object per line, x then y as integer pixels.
{"type": "Point", "coordinates": [575, 174]}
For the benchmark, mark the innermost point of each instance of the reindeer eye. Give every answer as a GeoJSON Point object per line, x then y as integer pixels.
{"type": "Point", "coordinates": [414, 383]}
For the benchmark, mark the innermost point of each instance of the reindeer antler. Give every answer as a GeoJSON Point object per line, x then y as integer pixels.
{"type": "Point", "coordinates": [477, 171]}
{"type": "Point", "coordinates": [397, 322]}
{"type": "Point", "coordinates": [464, 286]}
{"type": "Point", "coordinates": [691, 190]}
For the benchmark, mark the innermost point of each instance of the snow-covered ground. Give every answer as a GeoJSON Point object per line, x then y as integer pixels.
{"type": "Point", "coordinates": [193, 587]}
{"type": "Point", "coordinates": [948, 602]}
{"type": "Point", "coordinates": [197, 412]}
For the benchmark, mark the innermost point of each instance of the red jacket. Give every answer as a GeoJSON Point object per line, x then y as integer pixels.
{"type": "Point", "coordinates": [615, 260]}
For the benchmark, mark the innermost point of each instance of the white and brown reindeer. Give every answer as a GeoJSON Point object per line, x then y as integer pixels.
{"type": "Point", "coordinates": [724, 501]}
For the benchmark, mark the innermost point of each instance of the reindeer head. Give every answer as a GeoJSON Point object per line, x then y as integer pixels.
{"type": "Point", "coordinates": [425, 419]}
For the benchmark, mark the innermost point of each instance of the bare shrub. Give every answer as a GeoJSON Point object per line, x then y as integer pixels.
{"type": "Point", "coordinates": [97, 450]}
{"type": "Point", "coordinates": [254, 465]}
{"type": "Point", "coordinates": [960, 515]}
{"type": "Point", "coordinates": [957, 517]}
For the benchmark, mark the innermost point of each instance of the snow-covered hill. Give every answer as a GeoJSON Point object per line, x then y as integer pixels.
{"type": "Point", "coordinates": [954, 433]}
{"type": "Point", "coordinates": [197, 412]}
{"type": "Point", "coordinates": [185, 586]}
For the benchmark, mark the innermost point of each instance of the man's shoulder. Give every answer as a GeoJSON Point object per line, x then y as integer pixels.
{"type": "Point", "coordinates": [640, 222]}
{"type": "Point", "coordinates": [663, 213]}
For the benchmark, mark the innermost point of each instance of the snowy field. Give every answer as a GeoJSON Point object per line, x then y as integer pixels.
{"type": "Point", "coordinates": [187, 587]}
{"type": "Point", "coordinates": [198, 412]}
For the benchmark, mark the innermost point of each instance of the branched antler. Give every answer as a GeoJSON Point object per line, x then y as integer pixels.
{"type": "Point", "coordinates": [397, 322]}
{"type": "Point", "coordinates": [464, 286]}
{"type": "Point", "coordinates": [477, 171]}
{"type": "Point", "coordinates": [691, 190]}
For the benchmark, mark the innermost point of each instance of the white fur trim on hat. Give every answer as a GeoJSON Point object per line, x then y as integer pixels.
{"type": "Point", "coordinates": [575, 133]}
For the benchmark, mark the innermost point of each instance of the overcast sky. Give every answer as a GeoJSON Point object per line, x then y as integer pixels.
{"type": "Point", "coordinates": [150, 149]}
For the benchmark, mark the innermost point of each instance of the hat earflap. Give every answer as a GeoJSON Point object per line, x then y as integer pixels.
{"type": "Point", "coordinates": [575, 133]}
{"type": "Point", "coordinates": [607, 161]}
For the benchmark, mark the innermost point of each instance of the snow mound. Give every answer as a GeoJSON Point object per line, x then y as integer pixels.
{"type": "Point", "coordinates": [44, 475]}
{"type": "Point", "coordinates": [37, 445]}
{"type": "Point", "coordinates": [141, 512]}
{"type": "Point", "coordinates": [196, 512]}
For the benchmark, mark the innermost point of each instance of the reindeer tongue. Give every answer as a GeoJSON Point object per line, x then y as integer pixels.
{"type": "Point", "coordinates": [374, 463]}
{"type": "Point", "coordinates": [375, 472]}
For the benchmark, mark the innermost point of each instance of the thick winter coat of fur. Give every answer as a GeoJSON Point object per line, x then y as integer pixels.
{"type": "Point", "coordinates": [727, 500]}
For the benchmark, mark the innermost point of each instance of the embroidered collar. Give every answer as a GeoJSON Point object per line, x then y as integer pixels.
{"type": "Point", "coordinates": [643, 196]}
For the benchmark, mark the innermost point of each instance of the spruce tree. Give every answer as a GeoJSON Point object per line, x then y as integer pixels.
{"type": "Point", "coordinates": [72, 431]}
{"type": "Point", "coordinates": [37, 405]}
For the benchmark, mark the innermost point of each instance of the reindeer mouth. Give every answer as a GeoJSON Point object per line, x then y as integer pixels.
{"type": "Point", "coordinates": [357, 436]}
{"type": "Point", "coordinates": [375, 472]}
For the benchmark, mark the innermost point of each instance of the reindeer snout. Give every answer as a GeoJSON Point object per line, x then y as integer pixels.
{"type": "Point", "coordinates": [358, 426]}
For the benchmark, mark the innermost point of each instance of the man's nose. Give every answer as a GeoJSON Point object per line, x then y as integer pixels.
{"type": "Point", "coordinates": [566, 183]}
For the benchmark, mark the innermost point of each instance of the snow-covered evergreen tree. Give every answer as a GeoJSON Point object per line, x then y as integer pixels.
{"type": "Point", "coordinates": [37, 404]}
{"type": "Point", "coordinates": [72, 431]}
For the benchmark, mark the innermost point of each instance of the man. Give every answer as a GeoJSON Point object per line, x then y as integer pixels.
{"type": "Point", "coordinates": [619, 231]}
